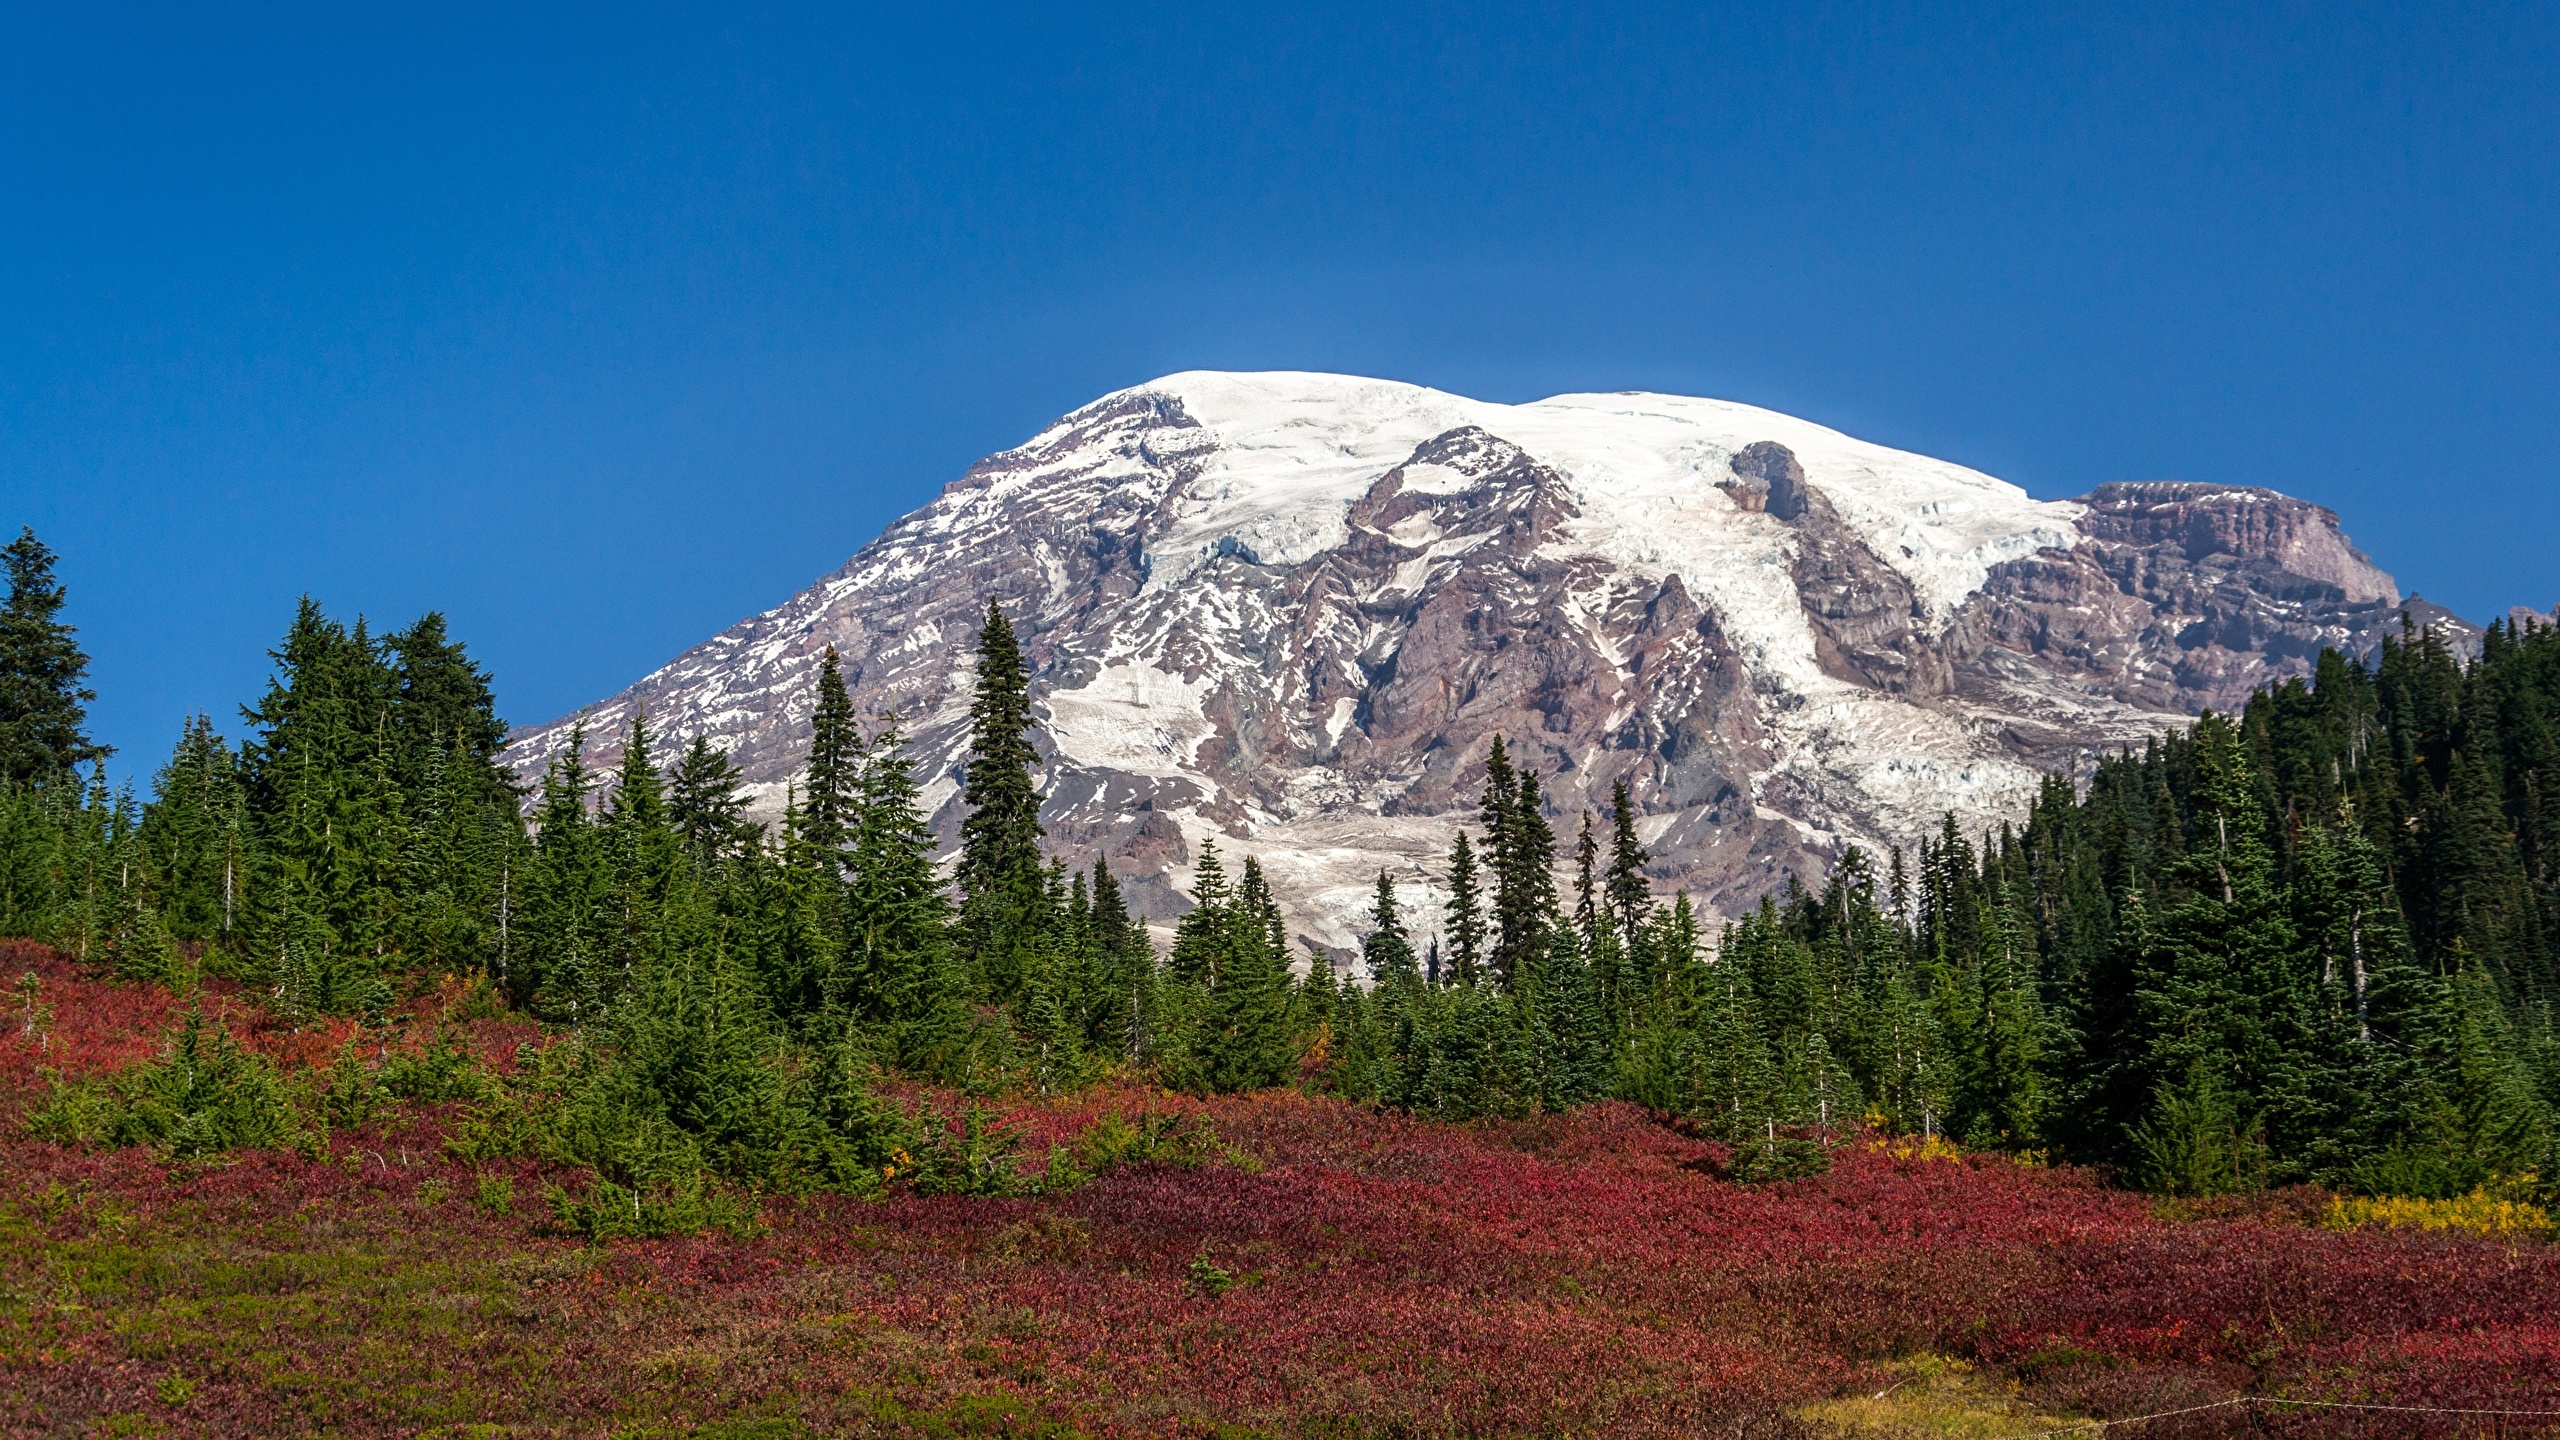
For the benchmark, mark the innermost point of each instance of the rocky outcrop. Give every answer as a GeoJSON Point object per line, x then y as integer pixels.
{"type": "Point", "coordinates": [2183, 597]}
{"type": "Point", "coordinates": [2246, 524]}
{"type": "Point", "coordinates": [1289, 612]}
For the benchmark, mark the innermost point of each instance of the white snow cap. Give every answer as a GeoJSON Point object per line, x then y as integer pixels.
{"type": "Point", "coordinates": [1295, 449]}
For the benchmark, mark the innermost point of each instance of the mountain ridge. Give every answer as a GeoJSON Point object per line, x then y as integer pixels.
{"type": "Point", "coordinates": [1289, 609]}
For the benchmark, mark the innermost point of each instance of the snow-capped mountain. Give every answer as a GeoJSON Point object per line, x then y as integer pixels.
{"type": "Point", "coordinates": [1292, 610]}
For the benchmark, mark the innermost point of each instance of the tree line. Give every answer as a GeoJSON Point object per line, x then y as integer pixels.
{"type": "Point", "coordinates": [2311, 942]}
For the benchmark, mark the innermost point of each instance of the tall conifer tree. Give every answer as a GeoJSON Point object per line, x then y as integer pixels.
{"type": "Point", "coordinates": [1387, 951]}
{"type": "Point", "coordinates": [835, 763]}
{"type": "Point", "coordinates": [1466, 915]}
{"type": "Point", "coordinates": [1003, 894]}
{"type": "Point", "coordinates": [43, 705]}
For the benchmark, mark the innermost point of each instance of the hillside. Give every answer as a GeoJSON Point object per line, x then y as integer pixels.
{"type": "Point", "coordinates": [1330, 1269]}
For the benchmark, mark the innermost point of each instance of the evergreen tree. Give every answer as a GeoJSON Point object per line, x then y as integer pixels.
{"type": "Point", "coordinates": [1387, 952]}
{"type": "Point", "coordinates": [2216, 995]}
{"type": "Point", "coordinates": [1630, 897]}
{"type": "Point", "coordinates": [1568, 1037]}
{"type": "Point", "coordinates": [898, 916]}
{"type": "Point", "coordinates": [43, 705]}
{"type": "Point", "coordinates": [835, 762]}
{"type": "Point", "coordinates": [1524, 898]}
{"type": "Point", "coordinates": [1200, 937]}
{"type": "Point", "coordinates": [703, 803]}
{"type": "Point", "coordinates": [197, 833]}
{"type": "Point", "coordinates": [653, 903]}
{"type": "Point", "coordinates": [1002, 893]}
{"type": "Point", "coordinates": [329, 819]}
{"type": "Point", "coordinates": [1126, 992]}
{"type": "Point", "coordinates": [564, 972]}
{"type": "Point", "coordinates": [1246, 1042]}
{"type": "Point", "coordinates": [1591, 915]}
{"type": "Point", "coordinates": [1466, 916]}
{"type": "Point", "coordinates": [442, 707]}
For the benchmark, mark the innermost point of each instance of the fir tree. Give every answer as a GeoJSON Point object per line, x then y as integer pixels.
{"type": "Point", "coordinates": [1591, 915]}
{"type": "Point", "coordinates": [898, 917]}
{"type": "Point", "coordinates": [1630, 897]}
{"type": "Point", "coordinates": [1386, 951]}
{"type": "Point", "coordinates": [703, 803]}
{"type": "Point", "coordinates": [1524, 899]}
{"type": "Point", "coordinates": [1200, 937]}
{"type": "Point", "coordinates": [1466, 916]}
{"type": "Point", "coordinates": [1245, 1042]}
{"type": "Point", "coordinates": [43, 705]}
{"type": "Point", "coordinates": [567, 906]}
{"type": "Point", "coordinates": [835, 763]}
{"type": "Point", "coordinates": [197, 833]}
{"type": "Point", "coordinates": [443, 706]}
{"type": "Point", "coordinates": [1568, 1036]}
{"type": "Point", "coordinates": [1001, 889]}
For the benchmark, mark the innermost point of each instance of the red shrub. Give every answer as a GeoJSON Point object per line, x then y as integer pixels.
{"type": "Point", "coordinates": [1382, 1274]}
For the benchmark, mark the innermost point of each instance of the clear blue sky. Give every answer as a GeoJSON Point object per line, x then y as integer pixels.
{"type": "Point", "coordinates": [601, 331]}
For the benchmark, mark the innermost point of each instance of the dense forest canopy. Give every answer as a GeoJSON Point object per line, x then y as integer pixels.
{"type": "Point", "coordinates": [2318, 941]}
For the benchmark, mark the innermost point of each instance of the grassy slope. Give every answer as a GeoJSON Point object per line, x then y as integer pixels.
{"type": "Point", "coordinates": [1580, 1274]}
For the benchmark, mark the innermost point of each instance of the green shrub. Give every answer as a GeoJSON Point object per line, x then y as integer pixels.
{"type": "Point", "coordinates": [76, 1112]}
{"type": "Point", "coordinates": [348, 1094]}
{"type": "Point", "coordinates": [1180, 1140]}
{"type": "Point", "coordinates": [1209, 1277]}
{"type": "Point", "coordinates": [680, 1207]}
{"type": "Point", "coordinates": [980, 1158]}
{"type": "Point", "coordinates": [676, 1102]}
{"type": "Point", "coordinates": [441, 1070]}
{"type": "Point", "coordinates": [207, 1095]}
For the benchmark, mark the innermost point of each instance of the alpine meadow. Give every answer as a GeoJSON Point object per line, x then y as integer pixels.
{"type": "Point", "coordinates": [356, 1084]}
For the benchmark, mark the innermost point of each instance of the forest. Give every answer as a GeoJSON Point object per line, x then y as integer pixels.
{"type": "Point", "coordinates": [2313, 943]}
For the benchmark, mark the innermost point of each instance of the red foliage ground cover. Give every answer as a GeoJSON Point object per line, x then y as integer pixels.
{"type": "Point", "coordinates": [1582, 1274]}
{"type": "Point", "coordinates": [94, 1028]}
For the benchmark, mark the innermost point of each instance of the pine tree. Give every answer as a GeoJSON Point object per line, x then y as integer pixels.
{"type": "Point", "coordinates": [835, 762]}
{"type": "Point", "coordinates": [464, 856]}
{"type": "Point", "coordinates": [1524, 900]}
{"type": "Point", "coordinates": [443, 706]}
{"type": "Point", "coordinates": [328, 816]}
{"type": "Point", "coordinates": [1734, 1088]}
{"type": "Point", "coordinates": [2216, 996]}
{"type": "Point", "coordinates": [43, 705]}
{"type": "Point", "coordinates": [1127, 983]}
{"type": "Point", "coordinates": [1630, 896]}
{"type": "Point", "coordinates": [197, 832]}
{"type": "Point", "coordinates": [1591, 915]}
{"type": "Point", "coordinates": [1386, 951]}
{"type": "Point", "coordinates": [1466, 916]}
{"type": "Point", "coordinates": [1246, 1043]}
{"type": "Point", "coordinates": [1568, 1035]}
{"type": "Point", "coordinates": [898, 918]}
{"type": "Point", "coordinates": [567, 904]}
{"type": "Point", "coordinates": [652, 899]}
{"type": "Point", "coordinates": [703, 803]}
{"type": "Point", "coordinates": [1200, 937]}
{"type": "Point", "coordinates": [1498, 814]}
{"type": "Point", "coordinates": [1002, 893]}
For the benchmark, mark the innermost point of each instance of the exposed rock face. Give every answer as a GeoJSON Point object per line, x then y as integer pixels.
{"type": "Point", "coordinates": [2181, 597]}
{"type": "Point", "coordinates": [1291, 611]}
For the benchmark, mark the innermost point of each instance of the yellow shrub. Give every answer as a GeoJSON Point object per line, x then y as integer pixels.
{"type": "Point", "coordinates": [1908, 1147]}
{"type": "Point", "coordinates": [2481, 1213]}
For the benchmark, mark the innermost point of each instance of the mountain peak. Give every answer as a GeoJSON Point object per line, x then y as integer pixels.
{"type": "Point", "coordinates": [1291, 610]}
